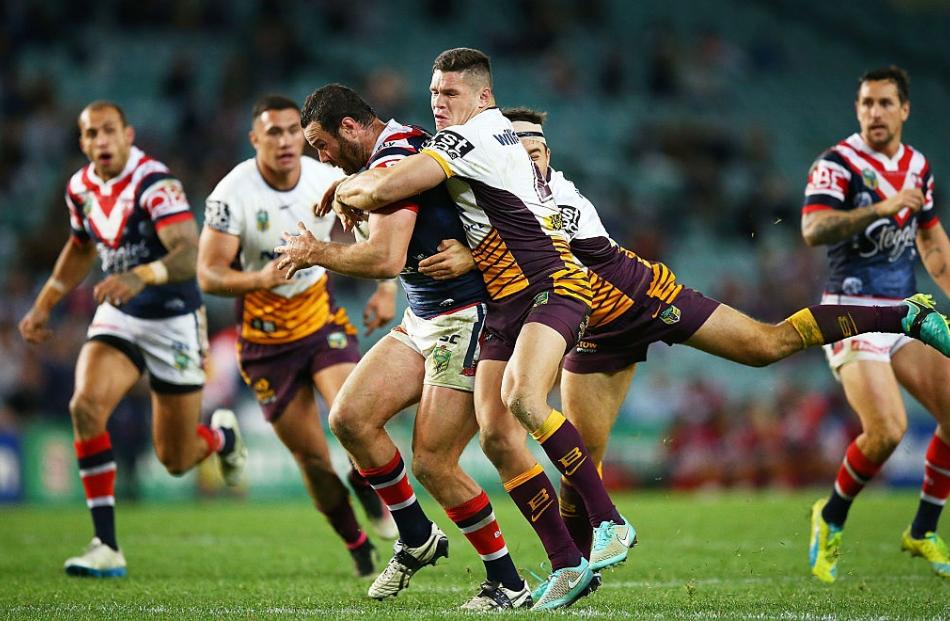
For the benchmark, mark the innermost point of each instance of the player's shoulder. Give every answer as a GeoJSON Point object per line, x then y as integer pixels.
{"type": "Point", "coordinates": [241, 179]}
{"type": "Point", "coordinates": [396, 142]}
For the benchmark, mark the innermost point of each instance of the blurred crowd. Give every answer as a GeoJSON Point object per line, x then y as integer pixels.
{"type": "Point", "coordinates": [672, 174]}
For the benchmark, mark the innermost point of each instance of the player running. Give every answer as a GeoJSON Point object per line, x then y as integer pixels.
{"type": "Point", "coordinates": [539, 297]}
{"type": "Point", "coordinates": [870, 200]}
{"type": "Point", "coordinates": [428, 359]}
{"type": "Point", "coordinates": [293, 337]}
{"type": "Point", "coordinates": [129, 208]}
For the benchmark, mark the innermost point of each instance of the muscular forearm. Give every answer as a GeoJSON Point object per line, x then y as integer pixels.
{"type": "Point", "coordinates": [362, 260]}
{"type": "Point", "coordinates": [72, 266]}
{"type": "Point", "coordinates": [832, 226]}
{"type": "Point", "coordinates": [181, 262]}
{"type": "Point", "coordinates": [935, 255]}
{"type": "Point", "coordinates": [228, 282]}
{"type": "Point", "coordinates": [366, 191]}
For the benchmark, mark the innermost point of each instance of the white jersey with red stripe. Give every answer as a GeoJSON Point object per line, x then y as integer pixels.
{"type": "Point", "coordinates": [878, 261]}
{"type": "Point", "coordinates": [123, 216]}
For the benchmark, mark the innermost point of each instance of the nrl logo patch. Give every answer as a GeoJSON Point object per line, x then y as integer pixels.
{"type": "Point", "coordinates": [441, 356]}
{"type": "Point", "coordinates": [336, 340]}
{"type": "Point", "coordinates": [670, 315]}
{"type": "Point", "coordinates": [264, 393]}
{"type": "Point", "coordinates": [541, 298]}
{"type": "Point", "coordinates": [870, 178]}
{"type": "Point", "coordinates": [263, 220]}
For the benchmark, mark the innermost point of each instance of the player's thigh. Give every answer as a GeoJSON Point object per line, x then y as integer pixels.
{"type": "Point", "coordinates": [592, 402]}
{"type": "Point", "coordinates": [925, 373]}
{"type": "Point", "coordinates": [872, 391]}
{"type": "Point", "coordinates": [387, 380]}
{"type": "Point", "coordinates": [103, 377]}
{"type": "Point", "coordinates": [175, 419]}
{"type": "Point", "coordinates": [445, 422]}
{"type": "Point", "coordinates": [329, 380]}
{"type": "Point", "coordinates": [535, 362]}
{"type": "Point", "coordinates": [733, 335]}
{"type": "Point", "coordinates": [299, 428]}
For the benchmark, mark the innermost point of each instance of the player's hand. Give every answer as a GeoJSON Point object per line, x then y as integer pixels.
{"type": "Point", "coordinates": [911, 199]}
{"type": "Point", "coordinates": [453, 259]}
{"type": "Point", "coordinates": [118, 289]}
{"type": "Point", "coordinates": [325, 205]}
{"type": "Point", "coordinates": [33, 326]}
{"type": "Point", "coordinates": [270, 276]}
{"type": "Point", "coordinates": [380, 308]}
{"type": "Point", "coordinates": [297, 252]}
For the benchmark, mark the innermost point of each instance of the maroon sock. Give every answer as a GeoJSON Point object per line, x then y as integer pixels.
{"type": "Point", "coordinates": [535, 497]}
{"type": "Point", "coordinates": [838, 321]}
{"type": "Point", "coordinates": [343, 521]}
{"type": "Point", "coordinates": [574, 514]}
{"type": "Point", "coordinates": [562, 443]}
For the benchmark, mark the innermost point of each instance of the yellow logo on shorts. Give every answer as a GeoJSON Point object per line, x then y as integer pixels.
{"type": "Point", "coordinates": [264, 393]}
{"type": "Point", "coordinates": [336, 340]}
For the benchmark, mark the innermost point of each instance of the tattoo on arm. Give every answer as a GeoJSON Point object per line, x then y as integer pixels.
{"type": "Point", "coordinates": [181, 240]}
{"type": "Point", "coordinates": [829, 227]}
{"type": "Point", "coordinates": [935, 262]}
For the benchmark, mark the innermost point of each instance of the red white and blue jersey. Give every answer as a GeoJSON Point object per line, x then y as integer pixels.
{"type": "Point", "coordinates": [878, 261]}
{"type": "Point", "coordinates": [123, 216]}
{"type": "Point", "coordinates": [437, 219]}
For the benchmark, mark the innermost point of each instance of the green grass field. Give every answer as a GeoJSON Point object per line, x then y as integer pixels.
{"type": "Point", "coordinates": [734, 556]}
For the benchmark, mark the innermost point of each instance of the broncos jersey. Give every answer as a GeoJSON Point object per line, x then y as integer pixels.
{"type": "Point", "coordinates": [437, 219]}
{"type": "Point", "coordinates": [619, 279]}
{"type": "Point", "coordinates": [123, 216]}
{"type": "Point", "coordinates": [243, 204]}
{"type": "Point", "coordinates": [878, 261]}
{"type": "Point", "coordinates": [511, 221]}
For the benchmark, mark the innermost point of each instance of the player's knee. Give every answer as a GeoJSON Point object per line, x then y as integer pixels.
{"type": "Point", "coordinates": [426, 467]}
{"type": "Point", "coordinates": [498, 444]}
{"type": "Point", "coordinates": [885, 437]}
{"type": "Point", "coordinates": [314, 463]}
{"type": "Point", "coordinates": [88, 416]}
{"type": "Point", "coordinates": [345, 424]}
{"type": "Point", "coordinates": [523, 403]}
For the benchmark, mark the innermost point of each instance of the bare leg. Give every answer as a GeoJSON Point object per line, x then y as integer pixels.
{"type": "Point", "coordinates": [175, 431]}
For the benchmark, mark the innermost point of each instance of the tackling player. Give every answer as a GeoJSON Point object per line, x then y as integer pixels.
{"type": "Point", "coordinates": [870, 200]}
{"type": "Point", "coordinates": [428, 359]}
{"type": "Point", "coordinates": [293, 337]}
{"type": "Point", "coordinates": [129, 208]}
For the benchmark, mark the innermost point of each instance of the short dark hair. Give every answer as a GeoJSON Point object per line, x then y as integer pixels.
{"type": "Point", "coordinates": [330, 104]}
{"type": "Point", "coordinates": [101, 104]}
{"type": "Point", "coordinates": [464, 59]}
{"type": "Point", "coordinates": [893, 74]}
{"type": "Point", "coordinates": [273, 102]}
{"type": "Point", "coordinates": [525, 114]}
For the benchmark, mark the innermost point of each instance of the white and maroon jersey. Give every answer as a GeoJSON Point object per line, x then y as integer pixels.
{"type": "Point", "coordinates": [243, 204]}
{"type": "Point", "coordinates": [619, 279]}
{"type": "Point", "coordinates": [437, 219]}
{"type": "Point", "coordinates": [511, 221]}
{"type": "Point", "coordinates": [878, 261]}
{"type": "Point", "coordinates": [123, 216]}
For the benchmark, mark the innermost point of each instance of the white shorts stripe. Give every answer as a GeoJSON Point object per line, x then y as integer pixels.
{"type": "Point", "coordinates": [101, 501]}
{"type": "Point", "coordinates": [495, 555]}
{"type": "Point", "coordinates": [399, 477]}
{"type": "Point", "coordinates": [479, 524]}
{"type": "Point", "coordinates": [90, 472]}
{"type": "Point", "coordinates": [403, 504]}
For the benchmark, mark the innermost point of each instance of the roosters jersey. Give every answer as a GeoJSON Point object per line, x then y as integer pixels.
{"type": "Point", "coordinates": [437, 219]}
{"type": "Point", "coordinates": [619, 279]}
{"type": "Point", "coordinates": [878, 261]}
{"type": "Point", "coordinates": [123, 216]}
{"type": "Point", "coordinates": [243, 204]}
{"type": "Point", "coordinates": [510, 219]}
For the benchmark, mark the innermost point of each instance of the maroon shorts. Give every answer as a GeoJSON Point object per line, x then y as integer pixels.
{"type": "Point", "coordinates": [625, 340]}
{"type": "Point", "coordinates": [504, 320]}
{"type": "Point", "coordinates": [276, 372]}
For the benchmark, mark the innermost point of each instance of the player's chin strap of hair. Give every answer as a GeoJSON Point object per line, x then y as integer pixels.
{"type": "Point", "coordinates": [529, 131]}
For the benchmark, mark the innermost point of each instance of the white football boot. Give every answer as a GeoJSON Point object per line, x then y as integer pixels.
{"type": "Point", "coordinates": [232, 464]}
{"type": "Point", "coordinates": [98, 561]}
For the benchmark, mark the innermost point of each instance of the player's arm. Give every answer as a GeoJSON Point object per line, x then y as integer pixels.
{"type": "Point", "coordinates": [829, 226]}
{"type": "Point", "coordinates": [381, 306]}
{"type": "Point", "coordinates": [382, 255]}
{"type": "Point", "coordinates": [72, 266]}
{"type": "Point", "coordinates": [934, 248]}
{"type": "Point", "coordinates": [216, 254]}
{"type": "Point", "coordinates": [452, 260]}
{"type": "Point", "coordinates": [379, 187]}
{"type": "Point", "coordinates": [180, 240]}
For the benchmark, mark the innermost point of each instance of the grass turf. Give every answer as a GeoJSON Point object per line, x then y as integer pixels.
{"type": "Point", "coordinates": [731, 556]}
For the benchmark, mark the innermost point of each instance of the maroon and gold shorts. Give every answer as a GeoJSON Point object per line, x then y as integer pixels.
{"type": "Point", "coordinates": [624, 341]}
{"type": "Point", "coordinates": [277, 372]}
{"type": "Point", "coordinates": [567, 315]}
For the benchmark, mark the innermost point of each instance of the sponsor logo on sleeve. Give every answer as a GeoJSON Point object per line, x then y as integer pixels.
{"type": "Point", "coordinates": [165, 197]}
{"type": "Point", "coordinates": [217, 215]}
{"type": "Point", "coordinates": [451, 144]}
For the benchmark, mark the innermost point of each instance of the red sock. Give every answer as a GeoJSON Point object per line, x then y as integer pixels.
{"type": "Point", "coordinates": [212, 438]}
{"type": "Point", "coordinates": [97, 469]}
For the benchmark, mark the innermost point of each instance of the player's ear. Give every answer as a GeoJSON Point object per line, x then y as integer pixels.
{"type": "Point", "coordinates": [348, 126]}
{"type": "Point", "coordinates": [485, 97]}
{"type": "Point", "coordinates": [252, 138]}
{"type": "Point", "coordinates": [130, 134]}
{"type": "Point", "coordinates": [905, 110]}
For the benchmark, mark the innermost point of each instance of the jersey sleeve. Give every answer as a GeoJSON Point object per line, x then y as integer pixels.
{"type": "Point", "coordinates": [454, 148]}
{"type": "Point", "coordinates": [223, 213]}
{"type": "Point", "coordinates": [389, 157]}
{"type": "Point", "coordinates": [163, 198]}
{"type": "Point", "coordinates": [927, 217]}
{"type": "Point", "coordinates": [828, 183]}
{"type": "Point", "coordinates": [77, 230]}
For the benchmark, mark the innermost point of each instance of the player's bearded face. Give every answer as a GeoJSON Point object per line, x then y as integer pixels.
{"type": "Point", "coordinates": [880, 113]}
{"type": "Point", "coordinates": [454, 99]}
{"type": "Point", "coordinates": [105, 140]}
{"type": "Point", "coordinates": [337, 149]}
